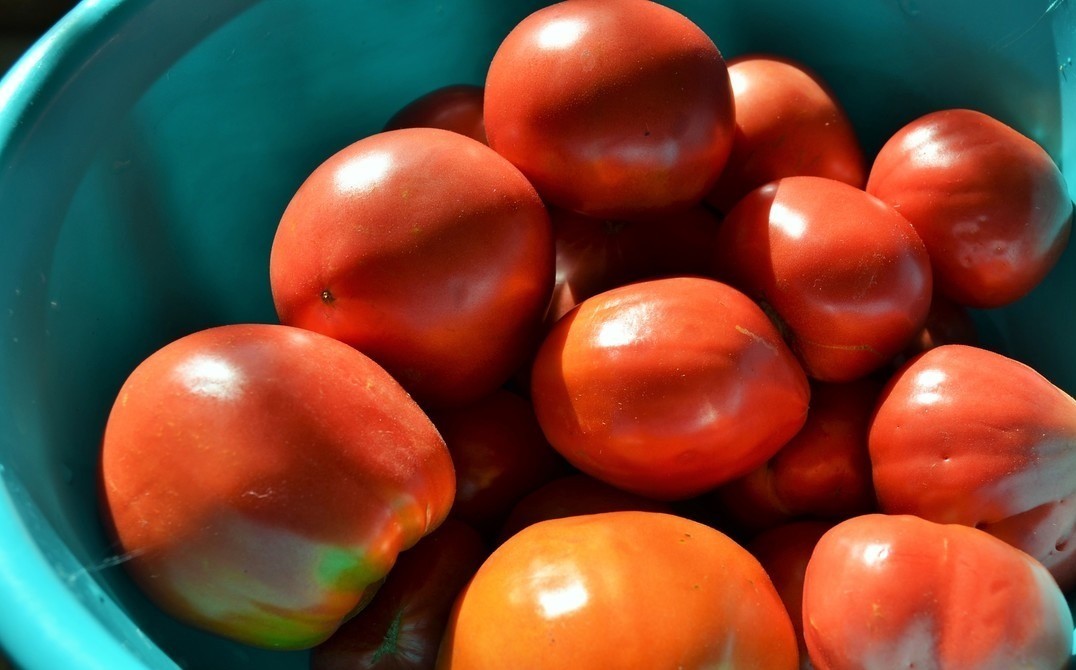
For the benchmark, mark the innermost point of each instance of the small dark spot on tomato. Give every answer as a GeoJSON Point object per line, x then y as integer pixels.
{"type": "Point", "coordinates": [327, 297]}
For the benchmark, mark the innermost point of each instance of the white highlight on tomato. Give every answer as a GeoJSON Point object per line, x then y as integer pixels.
{"type": "Point", "coordinates": [211, 377]}
{"type": "Point", "coordinates": [364, 174]}
{"type": "Point", "coordinates": [927, 385]}
{"type": "Point", "coordinates": [560, 34]}
{"type": "Point", "coordinates": [788, 221]}
{"type": "Point", "coordinates": [875, 554]}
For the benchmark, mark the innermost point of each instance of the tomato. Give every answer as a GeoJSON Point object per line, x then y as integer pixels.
{"type": "Point", "coordinates": [788, 123]}
{"type": "Point", "coordinates": [667, 387]}
{"type": "Point", "coordinates": [595, 255]}
{"type": "Point", "coordinates": [457, 108]}
{"type": "Point", "coordinates": [784, 552]}
{"type": "Point", "coordinates": [619, 110]}
{"type": "Point", "coordinates": [575, 495]}
{"type": "Point", "coordinates": [990, 204]}
{"type": "Point", "coordinates": [402, 626]}
{"type": "Point", "coordinates": [843, 272]}
{"type": "Point", "coordinates": [261, 479]}
{"type": "Point", "coordinates": [500, 455]}
{"type": "Point", "coordinates": [619, 590]}
{"type": "Point", "coordinates": [965, 435]}
{"type": "Point", "coordinates": [824, 471]}
{"type": "Point", "coordinates": [426, 251]}
{"type": "Point", "coordinates": [947, 323]}
{"type": "Point", "coordinates": [902, 592]}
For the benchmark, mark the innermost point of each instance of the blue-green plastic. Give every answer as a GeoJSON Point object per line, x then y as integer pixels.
{"type": "Point", "coordinates": [148, 148]}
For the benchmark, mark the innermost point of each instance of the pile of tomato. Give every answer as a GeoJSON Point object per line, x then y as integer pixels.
{"type": "Point", "coordinates": [629, 358]}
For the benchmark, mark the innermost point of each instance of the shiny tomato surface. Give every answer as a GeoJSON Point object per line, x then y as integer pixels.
{"type": "Point", "coordinates": [844, 273]}
{"type": "Point", "coordinates": [426, 251]}
{"type": "Point", "coordinates": [902, 592]}
{"type": "Point", "coordinates": [612, 109]}
{"type": "Point", "coordinates": [989, 203]}
{"type": "Point", "coordinates": [401, 628]}
{"type": "Point", "coordinates": [788, 123]}
{"type": "Point", "coordinates": [632, 590]}
{"type": "Point", "coordinates": [965, 435]}
{"type": "Point", "coordinates": [667, 387]}
{"type": "Point", "coordinates": [457, 107]}
{"type": "Point", "coordinates": [500, 455]}
{"type": "Point", "coordinates": [261, 480]}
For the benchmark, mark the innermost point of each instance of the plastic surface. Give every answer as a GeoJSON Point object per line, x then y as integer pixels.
{"type": "Point", "coordinates": [147, 150]}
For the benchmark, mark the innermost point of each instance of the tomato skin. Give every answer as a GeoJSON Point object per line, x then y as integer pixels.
{"type": "Point", "coordinates": [401, 628]}
{"type": "Point", "coordinates": [619, 590]}
{"type": "Point", "coordinates": [595, 255]}
{"type": "Point", "coordinates": [845, 273]}
{"type": "Point", "coordinates": [500, 455]}
{"type": "Point", "coordinates": [426, 251]}
{"type": "Point", "coordinates": [617, 110]}
{"type": "Point", "coordinates": [965, 435]}
{"type": "Point", "coordinates": [784, 552]}
{"type": "Point", "coordinates": [900, 592]}
{"type": "Point", "coordinates": [788, 123]}
{"type": "Point", "coordinates": [457, 107]}
{"type": "Point", "coordinates": [989, 203]}
{"type": "Point", "coordinates": [667, 387]}
{"type": "Point", "coordinates": [575, 495]}
{"type": "Point", "coordinates": [824, 471]}
{"type": "Point", "coordinates": [263, 478]}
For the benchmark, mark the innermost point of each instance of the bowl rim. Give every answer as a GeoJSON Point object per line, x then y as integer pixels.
{"type": "Point", "coordinates": [47, 625]}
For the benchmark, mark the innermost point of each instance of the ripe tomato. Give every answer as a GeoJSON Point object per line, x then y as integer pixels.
{"type": "Point", "coordinates": [426, 251]}
{"type": "Point", "coordinates": [457, 108]}
{"type": "Point", "coordinates": [788, 123]}
{"type": "Point", "coordinates": [965, 435]}
{"type": "Point", "coordinates": [575, 495]}
{"type": "Point", "coordinates": [947, 323]}
{"type": "Point", "coordinates": [595, 255]}
{"type": "Point", "coordinates": [401, 628]}
{"type": "Point", "coordinates": [262, 479]}
{"type": "Point", "coordinates": [612, 109]}
{"type": "Point", "coordinates": [824, 471]}
{"type": "Point", "coordinates": [667, 387]}
{"type": "Point", "coordinates": [991, 205]}
{"type": "Point", "coordinates": [844, 273]}
{"type": "Point", "coordinates": [500, 455]}
{"type": "Point", "coordinates": [902, 592]}
{"type": "Point", "coordinates": [619, 590]}
{"type": "Point", "coordinates": [784, 552]}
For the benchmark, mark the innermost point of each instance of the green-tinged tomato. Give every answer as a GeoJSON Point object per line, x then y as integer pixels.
{"type": "Point", "coordinates": [261, 480]}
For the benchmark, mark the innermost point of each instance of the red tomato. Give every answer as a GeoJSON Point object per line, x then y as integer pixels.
{"type": "Point", "coordinates": [426, 251]}
{"type": "Point", "coordinates": [845, 274]}
{"type": "Point", "coordinates": [823, 472]}
{"type": "Point", "coordinates": [990, 204]}
{"type": "Point", "coordinates": [619, 590]}
{"type": "Point", "coordinates": [946, 323]}
{"type": "Point", "coordinates": [901, 592]}
{"type": "Point", "coordinates": [784, 552]}
{"type": "Point", "coordinates": [667, 387]}
{"type": "Point", "coordinates": [575, 495]}
{"type": "Point", "coordinates": [595, 255]}
{"type": "Point", "coordinates": [788, 123]}
{"type": "Point", "coordinates": [965, 435]}
{"type": "Point", "coordinates": [500, 455]}
{"type": "Point", "coordinates": [612, 109]}
{"type": "Point", "coordinates": [262, 479]}
{"type": "Point", "coordinates": [401, 628]}
{"type": "Point", "coordinates": [457, 108]}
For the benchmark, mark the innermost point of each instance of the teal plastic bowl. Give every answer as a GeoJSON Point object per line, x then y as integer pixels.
{"type": "Point", "coordinates": [148, 148]}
